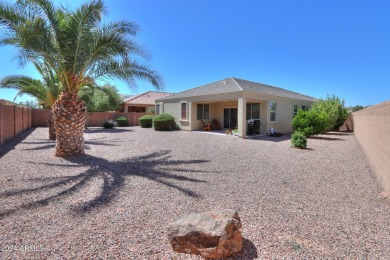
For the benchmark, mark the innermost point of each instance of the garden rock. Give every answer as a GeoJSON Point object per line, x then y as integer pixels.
{"type": "Point", "coordinates": [212, 234]}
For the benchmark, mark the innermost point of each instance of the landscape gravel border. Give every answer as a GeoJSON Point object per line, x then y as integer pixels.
{"type": "Point", "coordinates": [116, 201]}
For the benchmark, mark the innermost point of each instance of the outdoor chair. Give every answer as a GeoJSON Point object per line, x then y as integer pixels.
{"type": "Point", "coordinates": [215, 124]}
{"type": "Point", "coordinates": [205, 127]}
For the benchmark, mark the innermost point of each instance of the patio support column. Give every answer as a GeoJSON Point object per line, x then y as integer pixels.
{"type": "Point", "coordinates": [126, 108]}
{"type": "Point", "coordinates": [241, 117]}
{"type": "Point", "coordinates": [189, 113]}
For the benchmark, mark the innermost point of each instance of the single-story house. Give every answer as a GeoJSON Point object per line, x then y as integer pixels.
{"type": "Point", "coordinates": [144, 103]}
{"type": "Point", "coordinates": [233, 102]}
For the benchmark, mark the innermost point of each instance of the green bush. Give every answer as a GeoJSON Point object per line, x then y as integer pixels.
{"type": "Point", "coordinates": [310, 122]}
{"type": "Point", "coordinates": [109, 124]}
{"type": "Point", "coordinates": [146, 121]}
{"type": "Point", "coordinates": [334, 108]}
{"type": "Point", "coordinates": [298, 140]}
{"type": "Point", "coordinates": [122, 121]}
{"type": "Point", "coordinates": [164, 122]}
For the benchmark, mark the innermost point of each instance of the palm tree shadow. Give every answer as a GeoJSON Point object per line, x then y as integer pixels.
{"type": "Point", "coordinates": [157, 167]}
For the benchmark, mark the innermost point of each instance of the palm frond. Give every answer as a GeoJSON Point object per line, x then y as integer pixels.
{"type": "Point", "coordinates": [25, 85]}
{"type": "Point", "coordinates": [128, 71]}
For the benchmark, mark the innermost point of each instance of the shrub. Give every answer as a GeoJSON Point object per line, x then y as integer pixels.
{"type": "Point", "coordinates": [109, 124]}
{"type": "Point", "coordinates": [164, 122]}
{"type": "Point", "coordinates": [146, 121]}
{"type": "Point", "coordinates": [298, 140]}
{"type": "Point", "coordinates": [122, 121]}
{"type": "Point", "coordinates": [334, 108]}
{"type": "Point", "coordinates": [310, 122]}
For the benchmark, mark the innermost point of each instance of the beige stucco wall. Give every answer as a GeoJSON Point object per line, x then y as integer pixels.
{"type": "Point", "coordinates": [372, 130]}
{"type": "Point", "coordinates": [284, 113]}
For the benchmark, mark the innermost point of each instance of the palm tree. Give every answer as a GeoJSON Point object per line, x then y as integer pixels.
{"type": "Point", "coordinates": [45, 91]}
{"type": "Point", "coordinates": [80, 50]}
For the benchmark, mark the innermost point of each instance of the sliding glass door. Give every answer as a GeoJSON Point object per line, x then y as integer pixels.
{"type": "Point", "coordinates": [230, 118]}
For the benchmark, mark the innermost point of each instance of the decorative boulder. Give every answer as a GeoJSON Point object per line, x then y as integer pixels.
{"type": "Point", "coordinates": [212, 234]}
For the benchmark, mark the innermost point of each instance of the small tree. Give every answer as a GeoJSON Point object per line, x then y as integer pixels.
{"type": "Point", "coordinates": [101, 99]}
{"type": "Point", "coordinates": [310, 122]}
{"type": "Point", "coordinates": [334, 108]}
{"type": "Point", "coordinates": [357, 108]}
{"type": "Point", "coordinates": [29, 104]}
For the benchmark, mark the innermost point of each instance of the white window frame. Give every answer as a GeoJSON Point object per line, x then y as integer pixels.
{"type": "Point", "coordinates": [276, 109]}
{"type": "Point", "coordinates": [181, 111]}
{"type": "Point", "coordinates": [295, 113]}
{"type": "Point", "coordinates": [251, 110]}
{"type": "Point", "coordinates": [157, 110]}
{"type": "Point", "coordinates": [202, 117]}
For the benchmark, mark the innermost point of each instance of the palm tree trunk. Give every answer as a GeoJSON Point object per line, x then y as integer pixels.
{"type": "Point", "coordinates": [69, 115]}
{"type": "Point", "coordinates": [52, 129]}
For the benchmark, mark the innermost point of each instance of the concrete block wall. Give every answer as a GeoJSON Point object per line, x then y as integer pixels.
{"type": "Point", "coordinates": [372, 130]}
{"type": "Point", "coordinates": [40, 117]}
{"type": "Point", "coordinates": [13, 121]}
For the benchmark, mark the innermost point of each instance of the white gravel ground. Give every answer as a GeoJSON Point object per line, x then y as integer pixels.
{"type": "Point", "coordinates": [115, 202]}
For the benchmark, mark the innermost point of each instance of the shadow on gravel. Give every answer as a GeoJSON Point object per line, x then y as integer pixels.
{"type": "Point", "coordinates": [105, 130]}
{"type": "Point", "coordinates": [10, 145]}
{"type": "Point", "coordinates": [157, 167]}
{"type": "Point", "coordinates": [249, 251]}
{"type": "Point", "coordinates": [52, 144]}
{"type": "Point", "coordinates": [339, 133]}
{"type": "Point", "coordinates": [282, 138]}
{"type": "Point", "coordinates": [326, 138]}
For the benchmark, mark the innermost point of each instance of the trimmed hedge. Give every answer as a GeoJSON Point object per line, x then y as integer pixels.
{"type": "Point", "coordinates": [164, 122]}
{"type": "Point", "coordinates": [146, 121]}
{"type": "Point", "coordinates": [122, 121]}
{"type": "Point", "coordinates": [298, 140]}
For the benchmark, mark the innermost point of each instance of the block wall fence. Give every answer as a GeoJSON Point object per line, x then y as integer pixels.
{"type": "Point", "coordinates": [14, 120]}
{"type": "Point", "coordinates": [372, 131]}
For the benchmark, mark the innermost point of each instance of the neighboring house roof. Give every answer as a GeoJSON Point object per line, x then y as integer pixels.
{"type": "Point", "coordinates": [125, 97]}
{"type": "Point", "coordinates": [147, 98]}
{"type": "Point", "coordinates": [238, 85]}
{"type": "Point", "coordinates": [6, 102]}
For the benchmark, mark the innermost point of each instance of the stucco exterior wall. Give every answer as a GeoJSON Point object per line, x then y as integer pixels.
{"type": "Point", "coordinates": [284, 111]}
{"type": "Point", "coordinates": [372, 130]}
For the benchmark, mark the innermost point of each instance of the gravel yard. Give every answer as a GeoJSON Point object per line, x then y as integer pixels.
{"type": "Point", "coordinates": [116, 201]}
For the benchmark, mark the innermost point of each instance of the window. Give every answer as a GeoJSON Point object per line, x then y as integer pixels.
{"type": "Point", "coordinates": [272, 111]}
{"type": "Point", "coordinates": [203, 111]}
{"type": "Point", "coordinates": [157, 109]}
{"type": "Point", "coordinates": [295, 110]}
{"type": "Point", "coordinates": [183, 111]}
{"type": "Point", "coordinates": [305, 108]}
{"type": "Point", "coordinates": [252, 111]}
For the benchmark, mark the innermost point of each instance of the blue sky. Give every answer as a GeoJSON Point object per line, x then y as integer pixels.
{"type": "Point", "coordinates": [311, 47]}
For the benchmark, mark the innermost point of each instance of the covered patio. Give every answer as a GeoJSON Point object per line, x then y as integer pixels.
{"type": "Point", "coordinates": [231, 114]}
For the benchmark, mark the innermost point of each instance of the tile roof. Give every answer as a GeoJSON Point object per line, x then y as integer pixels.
{"type": "Point", "coordinates": [147, 98]}
{"type": "Point", "coordinates": [124, 97]}
{"type": "Point", "coordinates": [6, 102]}
{"type": "Point", "coordinates": [238, 85]}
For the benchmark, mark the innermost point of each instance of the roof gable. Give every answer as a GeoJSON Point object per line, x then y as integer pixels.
{"type": "Point", "coordinates": [218, 87]}
{"type": "Point", "coordinates": [147, 98]}
{"type": "Point", "coordinates": [255, 87]}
